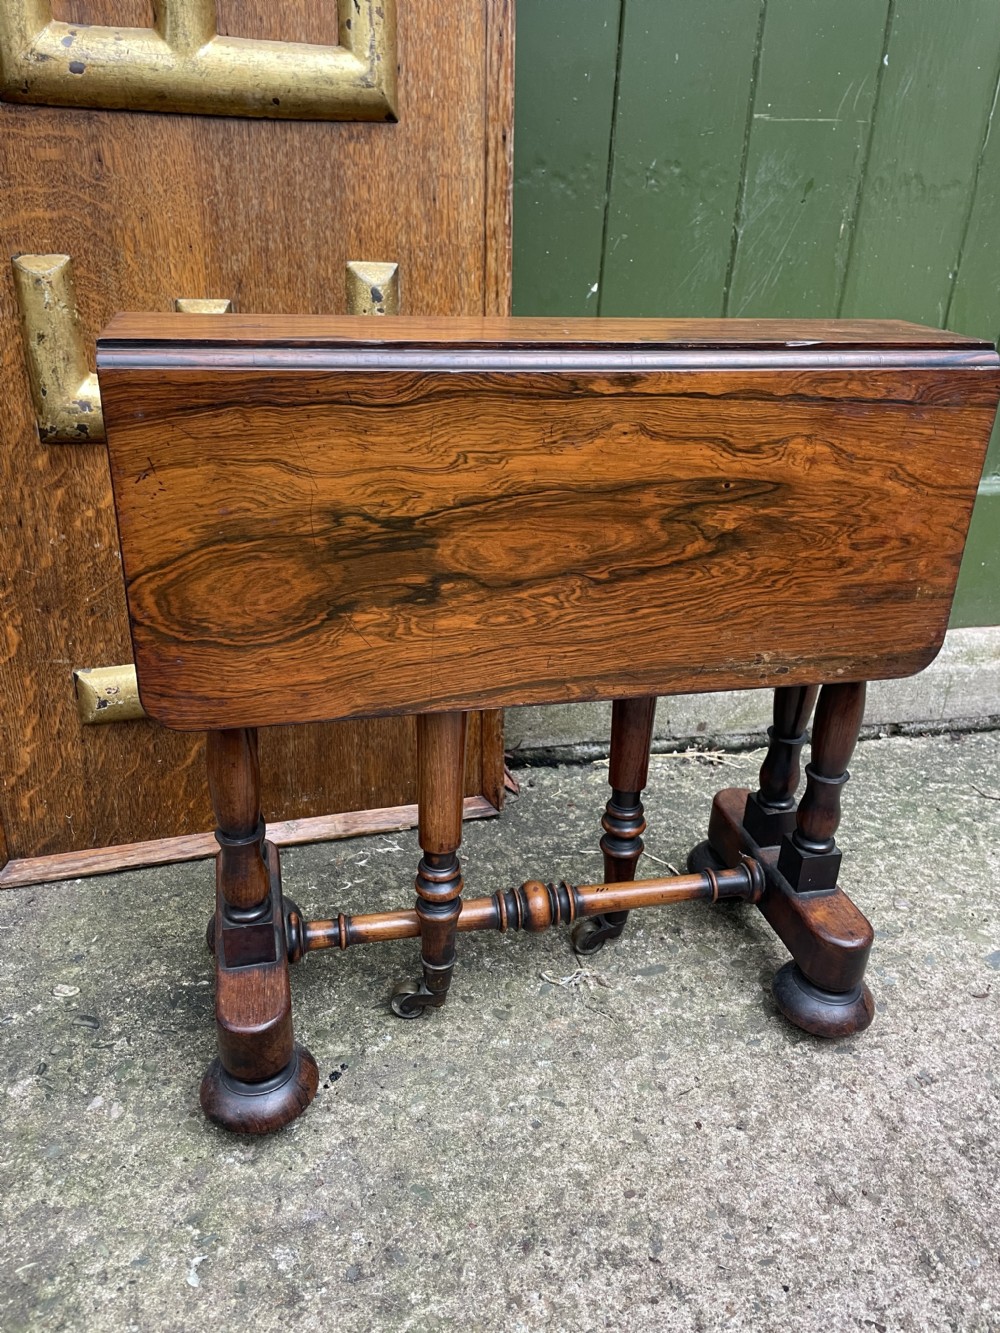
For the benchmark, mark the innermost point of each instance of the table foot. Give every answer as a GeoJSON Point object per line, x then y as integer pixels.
{"type": "Point", "coordinates": [260, 1108]}
{"type": "Point", "coordinates": [823, 1013]}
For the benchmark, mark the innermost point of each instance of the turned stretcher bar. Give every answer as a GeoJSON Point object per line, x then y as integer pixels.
{"type": "Point", "coordinates": [534, 907]}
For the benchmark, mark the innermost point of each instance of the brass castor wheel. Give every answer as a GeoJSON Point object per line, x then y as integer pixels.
{"type": "Point", "coordinates": [260, 1108]}
{"type": "Point", "coordinates": [410, 998]}
{"type": "Point", "coordinates": [590, 935]}
{"type": "Point", "coordinates": [824, 1013]}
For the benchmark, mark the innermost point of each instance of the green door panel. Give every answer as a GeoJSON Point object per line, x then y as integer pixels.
{"type": "Point", "coordinates": [564, 97]}
{"type": "Point", "coordinates": [684, 87]}
{"type": "Point", "coordinates": [808, 134]}
{"type": "Point", "coordinates": [934, 104]}
{"type": "Point", "coordinates": [977, 599]}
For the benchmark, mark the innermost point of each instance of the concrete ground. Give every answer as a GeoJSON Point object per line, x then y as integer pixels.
{"type": "Point", "coordinates": [650, 1147]}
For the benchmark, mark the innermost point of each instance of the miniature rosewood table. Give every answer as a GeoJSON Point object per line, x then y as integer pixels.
{"type": "Point", "coordinates": [338, 518]}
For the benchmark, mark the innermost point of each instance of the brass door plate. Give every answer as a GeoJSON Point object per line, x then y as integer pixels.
{"type": "Point", "coordinates": [107, 694]}
{"type": "Point", "coordinates": [193, 305]}
{"type": "Point", "coordinates": [184, 64]}
{"type": "Point", "coordinates": [371, 288]}
{"type": "Point", "coordinates": [64, 390]}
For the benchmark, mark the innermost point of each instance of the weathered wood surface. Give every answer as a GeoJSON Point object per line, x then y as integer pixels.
{"type": "Point", "coordinates": [320, 525]}
{"type": "Point", "coordinates": [566, 86]}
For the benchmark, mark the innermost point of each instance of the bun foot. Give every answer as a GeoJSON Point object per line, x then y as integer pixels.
{"type": "Point", "coordinates": [260, 1108]}
{"type": "Point", "coordinates": [824, 1013]}
{"type": "Point", "coordinates": [704, 857]}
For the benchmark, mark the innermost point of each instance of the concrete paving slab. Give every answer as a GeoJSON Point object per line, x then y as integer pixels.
{"type": "Point", "coordinates": [649, 1147]}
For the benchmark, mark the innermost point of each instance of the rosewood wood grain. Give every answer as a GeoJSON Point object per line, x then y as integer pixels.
{"type": "Point", "coordinates": [804, 337]}
{"type": "Point", "coordinates": [498, 522]}
{"type": "Point", "coordinates": [433, 517]}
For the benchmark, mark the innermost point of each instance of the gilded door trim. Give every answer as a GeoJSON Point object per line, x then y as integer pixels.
{"type": "Point", "coordinates": [184, 64]}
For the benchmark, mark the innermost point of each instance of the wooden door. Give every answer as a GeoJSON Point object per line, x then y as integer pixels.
{"type": "Point", "coordinates": [259, 187]}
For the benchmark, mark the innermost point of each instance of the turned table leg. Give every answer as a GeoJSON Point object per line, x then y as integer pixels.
{"type": "Point", "coordinates": [770, 811]}
{"type": "Point", "coordinates": [623, 821]}
{"type": "Point", "coordinates": [809, 861]}
{"type": "Point", "coordinates": [440, 777]}
{"type": "Point", "coordinates": [809, 857]}
{"type": "Point", "coordinates": [260, 1079]}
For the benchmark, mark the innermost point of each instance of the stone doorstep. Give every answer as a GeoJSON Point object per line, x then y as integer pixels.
{"type": "Point", "coordinates": [961, 686]}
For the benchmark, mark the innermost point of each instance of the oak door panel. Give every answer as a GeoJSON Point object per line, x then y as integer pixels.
{"type": "Point", "coordinates": [152, 207]}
